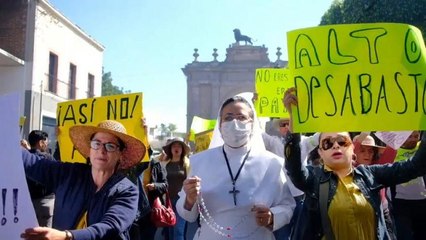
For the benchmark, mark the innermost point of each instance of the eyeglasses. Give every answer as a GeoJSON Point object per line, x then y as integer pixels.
{"type": "Point", "coordinates": [230, 117]}
{"type": "Point", "coordinates": [283, 124]}
{"type": "Point", "coordinates": [328, 142]}
{"type": "Point", "coordinates": [109, 147]}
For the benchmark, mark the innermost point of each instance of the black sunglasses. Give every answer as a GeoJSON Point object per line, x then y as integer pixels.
{"type": "Point", "coordinates": [328, 142]}
{"type": "Point", "coordinates": [283, 124]}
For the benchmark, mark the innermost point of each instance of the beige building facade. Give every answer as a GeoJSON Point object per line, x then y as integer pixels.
{"type": "Point", "coordinates": [46, 59]}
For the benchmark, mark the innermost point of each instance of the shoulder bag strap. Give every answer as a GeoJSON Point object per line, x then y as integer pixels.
{"type": "Point", "coordinates": [325, 220]}
{"type": "Point", "coordinates": [168, 201]}
{"type": "Point", "coordinates": [424, 180]}
{"type": "Point", "coordinates": [151, 167]}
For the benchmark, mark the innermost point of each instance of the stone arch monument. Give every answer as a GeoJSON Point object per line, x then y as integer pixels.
{"type": "Point", "coordinates": [209, 83]}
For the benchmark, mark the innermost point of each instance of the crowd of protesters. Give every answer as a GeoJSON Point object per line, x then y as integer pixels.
{"type": "Point", "coordinates": [247, 185]}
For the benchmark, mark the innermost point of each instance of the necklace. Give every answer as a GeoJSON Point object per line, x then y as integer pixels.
{"type": "Point", "coordinates": [234, 191]}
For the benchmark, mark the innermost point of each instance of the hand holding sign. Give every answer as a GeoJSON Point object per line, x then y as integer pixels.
{"type": "Point", "coordinates": [393, 139]}
{"type": "Point", "coordinates": [290, 99]}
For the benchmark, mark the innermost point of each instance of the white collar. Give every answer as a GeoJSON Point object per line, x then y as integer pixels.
{"type": "Point", "coordinates": [236, 151]}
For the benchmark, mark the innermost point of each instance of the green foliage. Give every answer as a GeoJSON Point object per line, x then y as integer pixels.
{"type": "Point", "coordinates": [167, 130]}
{"type": "Point", "coordinates": [108, 88]}
{"type": "Point", "coordinates": [411, 12]}
{"type": "Point", "coordinates": [172, 127]}
{"type": "Point", "coordinates": [334, 14]}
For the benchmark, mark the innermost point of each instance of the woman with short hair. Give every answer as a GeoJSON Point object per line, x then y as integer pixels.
{"type": "Point", "coordinates": [93, 201]}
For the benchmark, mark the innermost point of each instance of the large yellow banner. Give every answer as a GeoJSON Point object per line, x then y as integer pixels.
{"type": "Point", "coordinates": [125, 108]}
{"type": "Point", "coordinates": [270, 84]}
{"type": "Point", "coordinates": [358, 77]}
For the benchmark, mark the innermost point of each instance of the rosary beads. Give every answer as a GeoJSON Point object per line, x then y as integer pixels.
{"type": "Point", "coordinates": [207, 218]}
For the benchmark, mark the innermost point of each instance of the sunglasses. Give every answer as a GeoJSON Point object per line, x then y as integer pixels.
{"type": "Point", "coordinates": [109, 147]}
{"type": "Point", "coordinates": [328, 142]}
{"type": "Point", "coordinates": [283, 124]}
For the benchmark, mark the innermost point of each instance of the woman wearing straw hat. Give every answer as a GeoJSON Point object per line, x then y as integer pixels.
{"type": "Point", "coordinates": [177, 167]}
{"type": "Point", "coordinates": [369, 153]}
{"type": "Point", "coordinates": [93, 201]}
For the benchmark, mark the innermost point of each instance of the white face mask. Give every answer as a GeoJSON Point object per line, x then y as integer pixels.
{"type": "Point", "coordinates": [236, 133]}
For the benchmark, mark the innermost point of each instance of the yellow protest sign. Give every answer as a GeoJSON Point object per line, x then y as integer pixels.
{"type": "Point", "coordinates": [271, 83]}
{"type": "Point", "coordinates": [125, 108]}
{"type": "Point", "coordinates": [199, 125]}
{"type": "Point", "coordinates": [358, 77]}
{"type": "Point", "coordinates": [202, 140]}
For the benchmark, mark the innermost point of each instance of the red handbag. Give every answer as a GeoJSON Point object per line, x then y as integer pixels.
{"type": "Point", "coordinates": [163, 216]}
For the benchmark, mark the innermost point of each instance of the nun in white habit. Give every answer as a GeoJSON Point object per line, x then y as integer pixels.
{"type": "Point", "coordinates": [236, 187]}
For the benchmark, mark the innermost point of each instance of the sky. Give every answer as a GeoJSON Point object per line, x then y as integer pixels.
{"type": "Point", "coordinates": [147, 42]}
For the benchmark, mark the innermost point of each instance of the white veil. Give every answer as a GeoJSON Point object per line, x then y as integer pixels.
{"type": "Point", "coordinates": [256, 139]}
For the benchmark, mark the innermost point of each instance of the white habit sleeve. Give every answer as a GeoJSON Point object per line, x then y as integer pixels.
{"type": "Point", "coordinates": [283, 211]}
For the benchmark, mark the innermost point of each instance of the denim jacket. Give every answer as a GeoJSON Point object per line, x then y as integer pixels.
{"type": "Point", "coordinates": [370, 179]}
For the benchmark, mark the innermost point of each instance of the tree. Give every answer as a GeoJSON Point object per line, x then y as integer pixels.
{"type": "Point", "coordinates": [411, 12]}
{"type": "Point", "coordinates": [172, 127]}
{"type": "Point", "coordinates": [108, 88]}
{"type": "Point", "coordinates": [333, 15]}
{"type": "Point", "coordinates": [167, 130]}
{"type": "Point", "coordinates": [163, 131]}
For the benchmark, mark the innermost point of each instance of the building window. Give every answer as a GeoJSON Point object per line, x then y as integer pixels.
{"type": "Point", "coordinates": [72, 81]}
{"type": "Point", "coordinates": [90, 86]}
{"type": "Point", "coordinates": [53, 73]}
{"type": "Point", "coordinates": [49, 126]}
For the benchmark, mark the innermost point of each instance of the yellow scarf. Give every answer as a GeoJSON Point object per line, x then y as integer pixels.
{"type": "Point", "coordinates": [82, 223]}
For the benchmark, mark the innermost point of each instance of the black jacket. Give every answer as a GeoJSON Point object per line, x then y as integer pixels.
{"type": "Point", "coordinates": [38, 190]}
{"type": "Point", "coordinates": [369, 179]}
{"type": "Point", "coordinates": [159, 178]}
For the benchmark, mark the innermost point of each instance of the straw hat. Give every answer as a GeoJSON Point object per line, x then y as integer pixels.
{"type": "Point", "coordinates": [368, 141]}
{"type": "Point", "coordinates": [168, 148]}
{"type": "Point", "coordinates": [132, 153]}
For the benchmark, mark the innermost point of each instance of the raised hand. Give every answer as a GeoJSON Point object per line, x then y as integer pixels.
{"type": "Point", "coordinates": [290, 98]}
